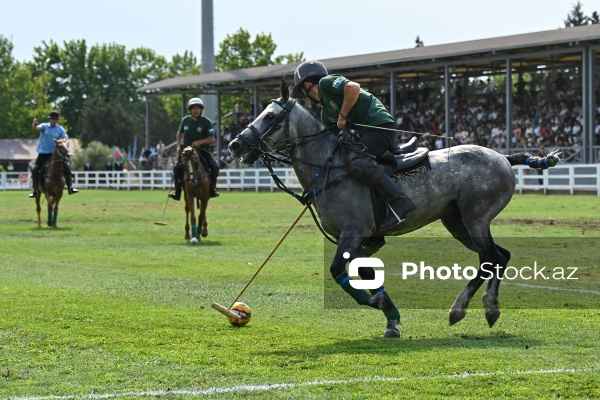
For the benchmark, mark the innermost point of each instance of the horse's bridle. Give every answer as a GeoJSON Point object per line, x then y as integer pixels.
{"type": "Point", "coordinates": [195, 159]}
{"type": "Point", "coordinates": [281, 121]}
{"type": "Point", "coordinates": [61, 157]}
{"type": "Point", "coordinates": [287, 144]}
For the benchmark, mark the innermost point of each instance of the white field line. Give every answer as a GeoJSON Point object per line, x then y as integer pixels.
{"type": "Point", "coordinates": [527, 285]}
{"type": "Point", "coordinates": [275, 386]}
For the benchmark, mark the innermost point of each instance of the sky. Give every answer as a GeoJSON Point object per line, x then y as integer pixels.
{"type": "Point", "coordinates": [320, 29]}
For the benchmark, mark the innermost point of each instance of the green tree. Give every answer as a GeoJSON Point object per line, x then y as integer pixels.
{"type": "Point", "coordinates": [577, 18]}
{"type": "Point", "coordinates": [290, 58]}
{"type": "Point", "coordinates": [114, 122]}
{"type": "Point", "coordinates": [96, 153]}
{"type": "Point", "coordinates": [7, 63]}
{"type": "Point", "coordinates": [237, 51]}
{"type": "Point", "coordinates": [21, 97]}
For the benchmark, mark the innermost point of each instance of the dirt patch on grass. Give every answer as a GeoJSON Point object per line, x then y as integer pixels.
{"type": "Point", "coordinates": [584, 224]}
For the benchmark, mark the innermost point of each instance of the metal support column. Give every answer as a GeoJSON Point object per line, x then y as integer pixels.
{"type": "Point", "coordinates": [448, 104]}
{"type": "Point", "coordinates": [147, 141]}
{"type": "Point", "coordinates": [256, 100]}
{"type": "Point", "coordinates": [183, 106]}
{"type": "Point", "coordinates": [587, 98]}
{"type": "Point", "coordinates": [217, 127]}
{"type": "Point", "coordinates": [509, 104]}
{"type": "Point", "coordinates": [393, 105]}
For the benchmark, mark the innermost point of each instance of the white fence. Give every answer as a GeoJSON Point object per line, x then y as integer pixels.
{"type": "Point", "coordinates": [571, 178]}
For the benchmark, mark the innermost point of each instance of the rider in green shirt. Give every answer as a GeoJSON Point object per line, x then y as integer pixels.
{"type": "Point", "coordinates": [196, 131]}
{"type": "Point", "coordinates": [345, 103]}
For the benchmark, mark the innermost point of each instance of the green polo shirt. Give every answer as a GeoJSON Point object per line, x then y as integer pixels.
{"type": "Point", "coordinates": [196, 130]}
{"type": "Point", "coordinates": [368, 110]}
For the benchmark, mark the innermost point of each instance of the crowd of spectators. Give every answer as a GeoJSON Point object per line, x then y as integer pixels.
{"type": "Point", "coordinates": [553, 118]}
{"type": "Point", "coordinates": [546, 112]}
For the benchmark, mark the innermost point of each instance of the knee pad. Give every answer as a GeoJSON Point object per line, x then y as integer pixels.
{"type": "Point", "coordinates": [364, 169]}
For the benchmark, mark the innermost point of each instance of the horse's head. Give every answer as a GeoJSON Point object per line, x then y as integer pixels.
{"type": "Point", "coordinates": [188, 153]}
{"type": "Point", "coordinates": [268, 132]}
{"type": "Point", "coordinates": [61, 150]}
{"type": "Point", "coordinates": [190, 160]}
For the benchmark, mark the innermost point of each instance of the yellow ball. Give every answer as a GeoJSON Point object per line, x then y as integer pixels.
{"type": "Point", "coordinates": [244, 313]}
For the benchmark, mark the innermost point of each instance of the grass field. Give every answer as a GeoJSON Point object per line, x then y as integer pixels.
{"type": "Point", "coordinates": [110, 305]}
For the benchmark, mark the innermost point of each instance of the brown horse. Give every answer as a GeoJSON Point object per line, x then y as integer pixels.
{"type": "Point", "coordinates": [53, 182]}
{"type": "Point", "coordinates": [196, 190]}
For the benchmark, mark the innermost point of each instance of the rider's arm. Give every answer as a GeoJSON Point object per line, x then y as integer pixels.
{"type": "Point", "coordinates": [351, 91]}
{"type": "Point", "coordinates": [179, 139]}
{"type": "Point", "coordinates": [35, 125]}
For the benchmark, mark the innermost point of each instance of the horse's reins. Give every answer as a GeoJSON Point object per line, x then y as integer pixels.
{"type": "Point", "coordinates": [350, 122]}
{"type": "Point", "coordinates": [288, 144]}
{"type": "Point", "coordinates": [60, 158]}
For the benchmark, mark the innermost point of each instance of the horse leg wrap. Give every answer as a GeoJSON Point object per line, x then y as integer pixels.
{"type": "Point", "coordinates": [195, 231]}
{"type": "Point", "coordinates": [382, 301]}
{"type": "Point", "coordinates": [537, 162]}
{"type": "Point", "coordinates": [364, 169]}
{"type": "Point", "coordinates": [361, 296]}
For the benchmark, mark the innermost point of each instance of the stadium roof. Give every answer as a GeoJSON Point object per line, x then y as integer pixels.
{"type": "Point", "coordinates": [26, 149]}
{"type": "Point", "coordinates": [545, 47]}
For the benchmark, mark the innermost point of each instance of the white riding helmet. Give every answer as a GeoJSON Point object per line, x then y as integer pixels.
{"type": "Point", "coordinates": [195, 101]}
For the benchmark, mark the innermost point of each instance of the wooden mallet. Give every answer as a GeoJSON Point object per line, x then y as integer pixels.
{"type": "Point", "coordinates": [232, 314]}
{"type": "Point", "coordinates": [224, 310]}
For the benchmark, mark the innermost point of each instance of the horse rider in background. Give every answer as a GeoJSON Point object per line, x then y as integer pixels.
{"type": "Point", "coordinates": [196, 131]}
{"type": "Point", "coordinates": [49, 131]}
{"type": "Point", "coordinates": [345, 103]}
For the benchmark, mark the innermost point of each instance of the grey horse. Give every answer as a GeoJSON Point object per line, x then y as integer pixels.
{"type": "Point", "coordinates": [465, 186]}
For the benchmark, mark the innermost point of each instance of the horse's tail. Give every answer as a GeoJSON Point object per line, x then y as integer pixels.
{"type": "Point", "coordinates": [534, 161]}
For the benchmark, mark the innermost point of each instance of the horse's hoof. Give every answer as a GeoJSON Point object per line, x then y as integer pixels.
{"type": "Point", "coordinates": [380, 301]}
{"type": "Point", "coordinates": [193, 241]}
{"type": "Point", "coordinates": [492, 315]}
{"type": "Point", "coordinates": [456, 315]}
{"type": "Point", "coordinates": [391, 330]}
{"type": "Point", "coordinates": [187, 237]}
{"type": "Point", "coordinates": [204, 234]}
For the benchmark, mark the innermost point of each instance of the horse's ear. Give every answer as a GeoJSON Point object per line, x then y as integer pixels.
{"type": "Point", "coordinates": [284, 90]}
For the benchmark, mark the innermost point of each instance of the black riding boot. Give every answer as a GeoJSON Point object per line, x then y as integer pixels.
{"type": "Point", "coordinates": [177, 177]}
{"type": "Point", "coordinates": [213, 188]}
{"type": "Point", "coordinates": [177, 194]}
{"type": "Point", "coordinates": [214, 175]}
{"type": "Point", "coordinates": [35, 181]}
{"type": "Point", "coordinates": [69, 179]}
{"type": "Point", "coordinates": [399, 204]}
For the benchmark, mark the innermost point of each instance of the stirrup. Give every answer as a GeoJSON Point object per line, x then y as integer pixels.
{"type": "Point", "coordinates": [72, 190]}
{"type": "Point", "coordinates": [214, 193]}
{"type": "Point", "coordinates": [33, 194]}
{"type": "Point", "coordinates": [174, 196]}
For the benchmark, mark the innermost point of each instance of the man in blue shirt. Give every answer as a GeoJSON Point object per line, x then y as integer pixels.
{"type": "Point", "coordinates": [49, 131]}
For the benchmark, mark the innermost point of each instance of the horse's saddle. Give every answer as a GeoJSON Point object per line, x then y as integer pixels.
{"type": "Point", "coordinates": [404, 157]}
